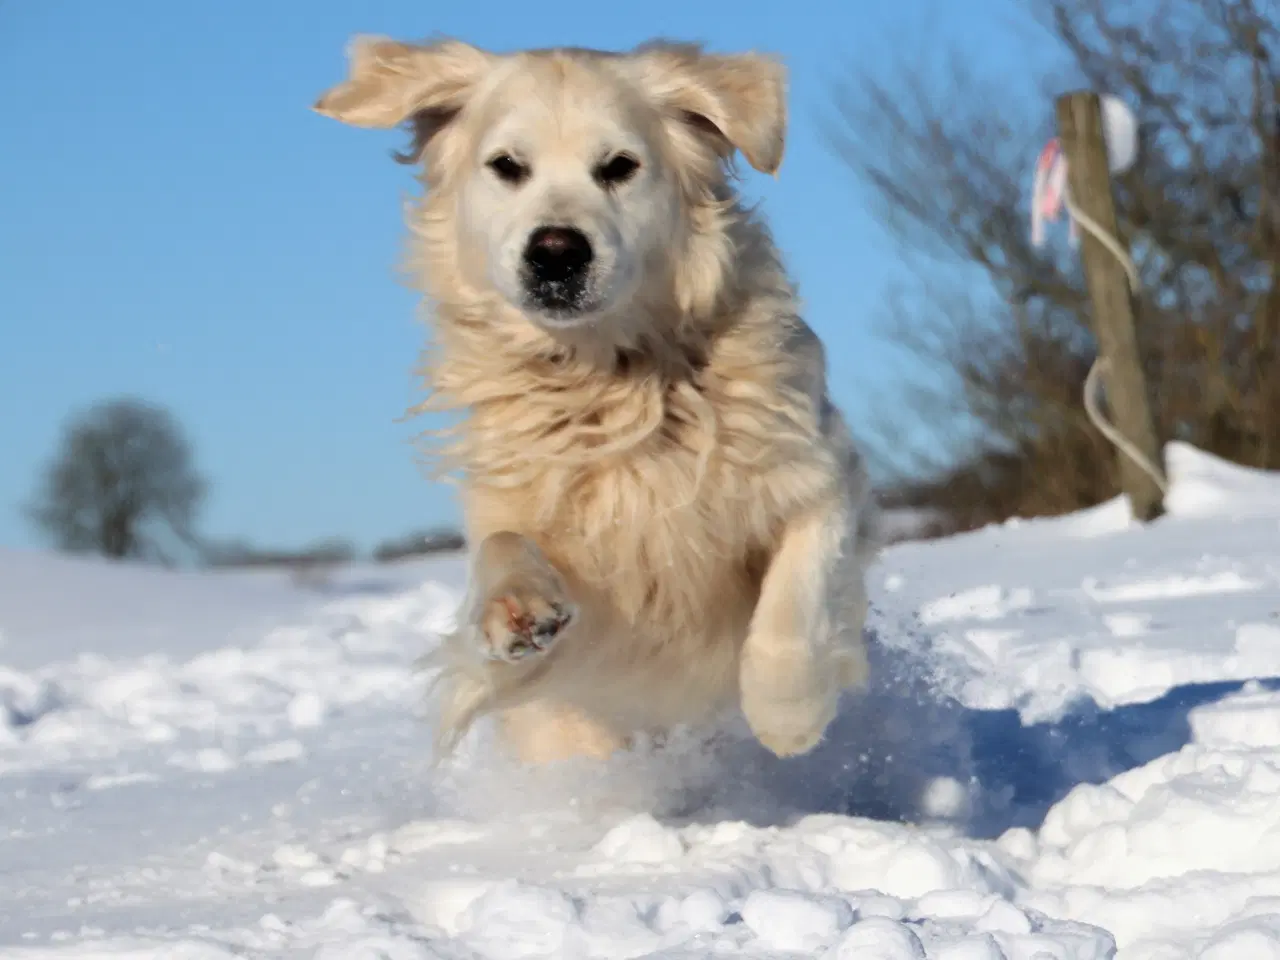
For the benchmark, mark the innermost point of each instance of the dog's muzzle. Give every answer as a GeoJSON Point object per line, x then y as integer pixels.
{"type": "Point", "coordinates": [557, 265]}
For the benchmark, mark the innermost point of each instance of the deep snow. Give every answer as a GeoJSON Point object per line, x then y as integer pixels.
{"type": "Point", "coordinates": [1071, 750]}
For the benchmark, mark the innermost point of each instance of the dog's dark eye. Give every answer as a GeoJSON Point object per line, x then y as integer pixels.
{"type": "Point", "coordinates": [618, 170]}
{"type": "Point", "coordinates": [508, 169]}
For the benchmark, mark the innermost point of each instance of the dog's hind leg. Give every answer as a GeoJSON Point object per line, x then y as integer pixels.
{"type": "Point", "coordinates": [544, 731]}
{"type": "Point", "coordinates": [804, 644]}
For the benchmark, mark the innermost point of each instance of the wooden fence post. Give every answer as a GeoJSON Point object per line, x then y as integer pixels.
{"type": "Point", "coordinates": [1089, 178]}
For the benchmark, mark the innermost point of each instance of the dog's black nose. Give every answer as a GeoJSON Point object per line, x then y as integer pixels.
{"type": "Point", "coordinates": [558, 254]}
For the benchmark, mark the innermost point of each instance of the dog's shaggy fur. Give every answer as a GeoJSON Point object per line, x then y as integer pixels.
{"type": "Point", "coordinates": [669, 516]}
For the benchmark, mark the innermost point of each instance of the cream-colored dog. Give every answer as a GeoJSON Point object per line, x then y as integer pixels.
{"type": "Point", "coordinates": [668, 515]}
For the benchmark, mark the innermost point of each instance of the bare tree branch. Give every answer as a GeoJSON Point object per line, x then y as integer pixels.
{"type": "Point", "coordinates": [999, 330]}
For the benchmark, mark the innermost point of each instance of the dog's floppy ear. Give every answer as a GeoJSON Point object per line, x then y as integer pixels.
{"type": "Point", "coordinates": [740, 98]}
{"type": "Point", "coordinates": [388, 82]}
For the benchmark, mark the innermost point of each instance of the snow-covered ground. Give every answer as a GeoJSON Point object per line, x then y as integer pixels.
{"type": "Point", "coordinates": [1071, 751]}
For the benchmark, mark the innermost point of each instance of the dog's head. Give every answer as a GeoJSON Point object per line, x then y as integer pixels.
{"type": "Point", "coordinates": [572, 183]}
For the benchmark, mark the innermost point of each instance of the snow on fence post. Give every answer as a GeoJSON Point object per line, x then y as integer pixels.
{"type": "Point", "coordinates": [1081, 132]}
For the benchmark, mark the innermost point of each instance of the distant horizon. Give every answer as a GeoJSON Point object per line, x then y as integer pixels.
{"type": "Point", "coordinates": [188, 232]}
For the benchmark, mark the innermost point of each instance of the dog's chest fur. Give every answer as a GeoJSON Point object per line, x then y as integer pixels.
{"type": "Point", "coordinates": [666, 496]}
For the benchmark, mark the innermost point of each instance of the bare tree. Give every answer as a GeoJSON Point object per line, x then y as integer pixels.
{"type": "Point", "coordinates": [998, 331]}
{"type": "Point", "coordinates": [122, 484]}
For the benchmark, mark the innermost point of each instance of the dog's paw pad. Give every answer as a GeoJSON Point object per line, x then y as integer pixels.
{"type": "Point", "coordinates": [517, 626]}
{"type": "Point", "coordinates": [789, 743]}
{"type": "Point", "coordinates": [789, 728]}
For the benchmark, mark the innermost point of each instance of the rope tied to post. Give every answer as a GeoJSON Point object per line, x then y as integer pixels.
{"type": "Point", "coordinates": [1051, 194]}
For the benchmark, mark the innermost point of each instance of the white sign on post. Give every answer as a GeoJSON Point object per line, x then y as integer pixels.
{"type": "Point", "coordinates": [1049, 195]}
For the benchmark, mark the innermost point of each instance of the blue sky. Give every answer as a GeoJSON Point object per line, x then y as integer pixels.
{"type": "Point", "coordinates": [176, 224]}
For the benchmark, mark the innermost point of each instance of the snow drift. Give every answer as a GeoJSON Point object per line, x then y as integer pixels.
{"type": "Point", "coordinates": [1071, 750]}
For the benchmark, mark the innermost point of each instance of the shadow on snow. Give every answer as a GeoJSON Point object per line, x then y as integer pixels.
{"type": "Point", "coordinates": [902, 751]}
{"type": "Point", "coordinates": [906, 751]}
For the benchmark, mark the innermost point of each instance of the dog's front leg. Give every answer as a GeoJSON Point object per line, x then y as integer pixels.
{"type": "Point", "coordinates": [804, 644]}
{"type": "Point", "coordinates": [519, 602]}
{"type": "Point", "coordinates": [518, 607]}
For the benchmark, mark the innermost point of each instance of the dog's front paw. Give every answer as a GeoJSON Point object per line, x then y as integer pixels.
{"type": "Point", "coordinates": [789, 728]}
{"type": "Point", "coordinates": [518, 624]}
{"type": "Point", "coordinates": [787, 700]}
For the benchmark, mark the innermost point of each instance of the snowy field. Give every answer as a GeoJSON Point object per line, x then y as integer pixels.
{"type": "Point", "coordinates": [1071, 752]}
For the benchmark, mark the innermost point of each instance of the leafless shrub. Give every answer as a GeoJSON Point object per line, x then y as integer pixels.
{"type": "Point", "coordinates": [420, 544]}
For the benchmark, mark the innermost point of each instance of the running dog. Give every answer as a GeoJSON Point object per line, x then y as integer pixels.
{"type": "Point", "coordinates": [668, 516]}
